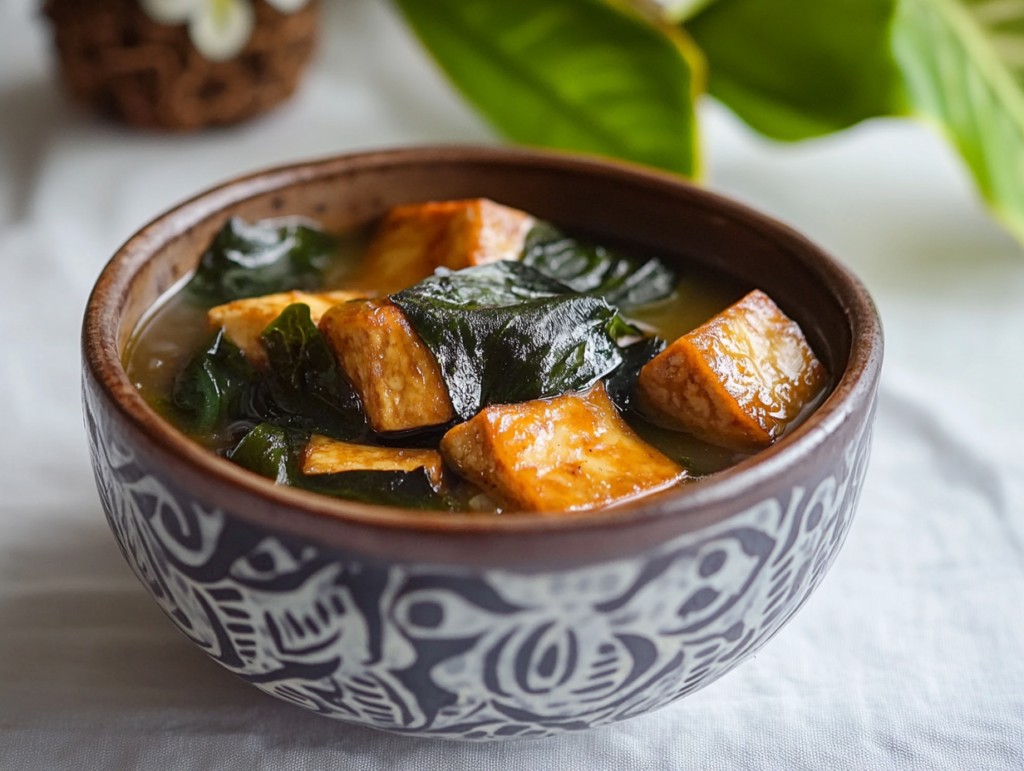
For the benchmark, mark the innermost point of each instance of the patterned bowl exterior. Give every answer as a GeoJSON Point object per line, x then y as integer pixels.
{"type": "Point", "coordinates": [471, 653]}
{"type": "Point", "coordinates": [545, 630]}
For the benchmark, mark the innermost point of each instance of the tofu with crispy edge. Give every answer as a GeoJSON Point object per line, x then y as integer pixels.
{"type": "Point", "coordinates": [324, 455]}
{"type": "Point", "coordinates": [243, 321]}
{"type": "Point", "coordinates": [569, 453]}
{"type": "Point", "coordinates": [739, 379]}
{"type": "Point", "coordinates": [388, 365]}
{"type": "Point", "coordinates": [414, 240]}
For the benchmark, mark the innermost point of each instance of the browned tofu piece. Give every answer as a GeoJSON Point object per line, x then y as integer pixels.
{"type": "Point", "coordinates": [329, 456]}
{"type": "Point", "coordinates": [414, 240]}
{"type": "Point", "coordinates": [568, 453]}
{"type": "Point", "coordinates": [243, 321]}
{"type": "Point", "coordinates": [739, 379]}
{"type": "Point", "coordinates": [388, 365]}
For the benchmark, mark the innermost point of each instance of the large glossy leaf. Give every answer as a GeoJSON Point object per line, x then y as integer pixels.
{"type": "Point", "coordinates": [575, 74]}
{"type": "Point", "coordinates": [794, 69]}
{"type": "Point", "coordinates": [964, 65]}
{"type": "Point", "coordinates": [248, 260]}
{"type": "Point", "coordinates": [505, 333]}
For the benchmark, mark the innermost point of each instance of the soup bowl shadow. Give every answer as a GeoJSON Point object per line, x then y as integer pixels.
{"type": "Point", "coordinates": [483, 627]}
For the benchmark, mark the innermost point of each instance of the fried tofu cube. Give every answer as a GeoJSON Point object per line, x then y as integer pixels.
{"type": "Point", "coordinates": [739, 379]}
{"type": "Point", "coordinates": [329, 456]}
{"type": "Point", "coordinates": [414, 240]}
{"type": "Point", "coordinates": [243, 321]}
{"type": "Point", "coordinates": [569, 453]}
{"type": "Point", "coordinates": [394, 373]}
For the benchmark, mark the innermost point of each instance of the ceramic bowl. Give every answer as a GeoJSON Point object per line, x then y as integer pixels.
{"type": "Point", "coordinates": [468, 626]}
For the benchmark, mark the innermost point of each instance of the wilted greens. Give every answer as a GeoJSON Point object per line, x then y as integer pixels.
{"type": "Point", "coordinates": [304, 387]}
{"type": "Point", "coordinates": [275, 452]}
{"type": "Point", "coordinates": [215, 389]}
{"type": "Point", "coordinates": [622, 384]}
{"type": "Point", "coordinates": [621, 279]}
{"type": "Point", "coordinates": [219, 394]}
{"type": "Point", "coordinates": [505, 333]}
{"type": "Point", "coordinates": [248, 260]}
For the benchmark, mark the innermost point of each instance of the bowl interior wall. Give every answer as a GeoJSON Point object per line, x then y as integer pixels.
{"type": "Point", "coordinates": [678, 223]}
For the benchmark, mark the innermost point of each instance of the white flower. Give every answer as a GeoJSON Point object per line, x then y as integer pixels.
{"type": "Point", "coordinates": [288, 6]}
{"type": "Point", "coordinates": [219, 29]}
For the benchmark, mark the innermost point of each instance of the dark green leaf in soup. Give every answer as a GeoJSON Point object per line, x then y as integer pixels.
{"type": "Point", "coordinates": [621, 386]}
{"type": "Point", "coordinates": [304, 385]}
{"type": "Point", "coordinates": [214, 389]}
{"type": "Point", "coordinates": [497, 285]}
{"type": "Point", "coordinates": [269, 256]}
{"type": "Point", "coordinates": [620, 279]}
{"type": "Point", "coordinates": [407, 489]}
{"type": "Point", "coordinates": [275, 452]}
{"type": "Point", "coordinates": [272, 452]}
{"type": "Point", "coordinates": [505, 333]}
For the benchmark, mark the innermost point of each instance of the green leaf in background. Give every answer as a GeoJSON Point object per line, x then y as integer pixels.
{"type": "Point", "coordinates": [794, 69]}
{"type": "Point", "coordinates": [248, 260]}
{"type": "Point", "coordinates": [573, 74]}
{"type": "Point", "coordinates": [963, 61]}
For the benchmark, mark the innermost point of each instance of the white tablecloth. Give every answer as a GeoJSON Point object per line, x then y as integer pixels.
{"type": "Point", "coordinates": [910, 655]}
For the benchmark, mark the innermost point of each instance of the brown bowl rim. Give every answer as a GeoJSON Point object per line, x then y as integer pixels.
{"type": "Point", "coordinates": [702, 502]}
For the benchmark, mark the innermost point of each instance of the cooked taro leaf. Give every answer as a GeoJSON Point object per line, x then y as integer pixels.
{"type": "Point", "coordinates": [504, 333]}
{"type": "Point", "coordinates": [406, 489]}
{"type": "Point", "coordinates": [248, 260]}
{"type": "Point", "coordinates": [272, 452]}
{"type": "Point", "coordinates": [214, 388]}
{"type": "Point", "coordinates": [495, 285]}
{"type": "Point", "coordinates": [218, 393]}
{"type": "Point", "coordinates": [276, 453]}
{"type": "Point", "coordinates": [422, 438]}
{"type": "Point", "coordinates": [621, 385]}
{"type": "Point", "coordinates": [620, 279]}
{"type": "Point", "coordinates": [305, 387]}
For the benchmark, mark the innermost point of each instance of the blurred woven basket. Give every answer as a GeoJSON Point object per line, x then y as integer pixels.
{"type": "Point", "coordinates": [117, 59]}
